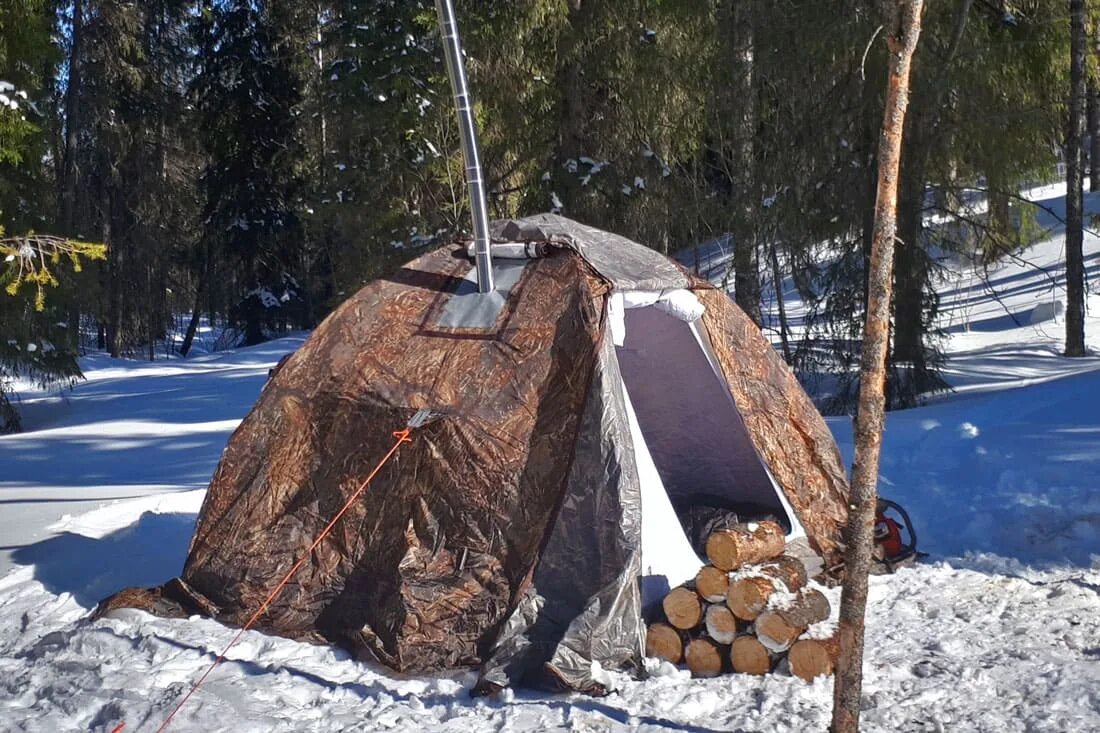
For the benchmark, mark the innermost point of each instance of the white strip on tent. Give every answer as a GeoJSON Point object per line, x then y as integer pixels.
{"type": "Point", "coordinates": [666, 551]}
{"type": "Point", "coordinates": [668, 559]}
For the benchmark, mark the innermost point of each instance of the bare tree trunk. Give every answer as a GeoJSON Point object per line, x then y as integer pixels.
{"type": "Point", "coordinates": [909, 270]}
{"type": "Point", "coordinates": [1094, 117]}
{"type": "Point", "coordinates": [746, 257]}
{"type": "Point", "coordinates": [114, 278]}
{"type": "Point", "coordinates": [911, 265]}
{"type": "Point", "coordinates": [72, 123]}
{"type": "Point", "coordinates": [777, 278]}
{"type": "Point", "coordinates": [322, 106]}
{"type": "Point", "coordinates": [193, 324]}
{"type": "Point", "coordinates": [1075, 266]}
{"type": "Point", "coordinates": [902, 31]}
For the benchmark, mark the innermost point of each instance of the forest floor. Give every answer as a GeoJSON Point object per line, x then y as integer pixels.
{"type": "Point", "coordinates": [998, 631]}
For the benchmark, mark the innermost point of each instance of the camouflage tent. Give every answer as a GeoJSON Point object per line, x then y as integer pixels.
{"type": "Point", "coordinates": [597, 387]}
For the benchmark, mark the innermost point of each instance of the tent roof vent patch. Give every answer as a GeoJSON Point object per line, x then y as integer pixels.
{"type": "Point", "coordinates": [465, 310]}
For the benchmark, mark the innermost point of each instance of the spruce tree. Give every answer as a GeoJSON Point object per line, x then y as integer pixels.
{"type": "Point", "coordinates": [36, 345]}
{"type": "Point", "coordinates": [249, 94]}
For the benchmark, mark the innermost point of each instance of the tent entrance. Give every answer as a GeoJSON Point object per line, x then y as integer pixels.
{"type": "Point", "coordinates": [691, 426]}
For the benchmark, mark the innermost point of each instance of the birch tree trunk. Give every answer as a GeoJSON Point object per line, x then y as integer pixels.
{"type": "Point", "coordinates": [902, 27]}
{"type": "Point", "coordinates": [1075, 265]}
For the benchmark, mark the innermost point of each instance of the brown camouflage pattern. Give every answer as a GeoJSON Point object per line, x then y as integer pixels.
{"type": "Point", "coordinates": [425, 567]}
{"type": "Point", "coordinates": [428, 569]}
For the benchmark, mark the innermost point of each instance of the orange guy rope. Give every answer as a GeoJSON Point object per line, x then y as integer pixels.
{"type": "Point", "coordinates": [402, 437]}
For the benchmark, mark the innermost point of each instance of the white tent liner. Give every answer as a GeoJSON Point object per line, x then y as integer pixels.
{"type": "Point", "coordinates": [668, 559]}
{"type": "Point", "coordinates": [665, 550]}
{"type": "Point", "coordinates": [704, 344]}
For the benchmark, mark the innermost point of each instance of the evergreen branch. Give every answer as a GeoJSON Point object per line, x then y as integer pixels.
{"type": "Point", "coordinates": [1002, 248]}
{"type": "Point", "coordinates": [29, 260]}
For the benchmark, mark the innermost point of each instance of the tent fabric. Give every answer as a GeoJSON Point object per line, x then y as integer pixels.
{"type": "Point", "coordinates": [421, 571]}
{"type": "Point", "coordinates": [590, 605]}
{"type": "Point", "coordinates": [507, 534]}
{"type": "Point", "coordinates": [625, 264]}
{"type": "Point", "coordinates": [787, 430]}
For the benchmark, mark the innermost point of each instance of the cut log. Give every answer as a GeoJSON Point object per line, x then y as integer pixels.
{"type": "Point", "coordinates": [747, 597]}
{"type": "Point", "coordinates": [721, 624]}
{"type": "Point", "coordinates": [749, 656]}
{"type": "Point", "coordinates": [774, 631]}
{"type": "Point", "coordinates": [744, 544]}
{"type": "Point", "coordinates": [780, 627]}
{"type": "Point", "coordinates": [683, 609]}
{"type": "Point", "coordinates": [810, 658]}
{"type": "Point", "coordinates": [808, 607]}
{"type": "Point", "coordinates": [704, 658]}
{"type": "Point", "coordinates": [711, 584]}
{"type": "Point", "coordinates": [788, 569]}
{"type": "Point", "coordinates": [663, 641]}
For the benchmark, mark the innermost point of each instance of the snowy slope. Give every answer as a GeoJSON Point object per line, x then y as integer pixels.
{"type": "Point", "coordinates": [132, 429]}
{"type": "Point", "coordinates": [1000, 631]}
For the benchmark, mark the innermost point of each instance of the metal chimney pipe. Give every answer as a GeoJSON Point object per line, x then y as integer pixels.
{"type": "Point", "coordinates": [467, 130]}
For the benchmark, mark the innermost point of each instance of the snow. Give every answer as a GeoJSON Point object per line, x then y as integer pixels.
{"type": "Point", "coordinates": [997, 631]}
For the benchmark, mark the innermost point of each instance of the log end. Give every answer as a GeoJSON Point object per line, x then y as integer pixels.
{"type": "Point", "coordinates": [810, 658]}
{"type": "Point", "coordinates": [774, 631]}
{"type": "Point", "coordinates": [683, 609]}
{"type": "Point", "coordinates": [663, 641]}
{"type": "Point", "coordinates": [704, 658]}
{"type": "Point", "coordinates": [749, 656]}
{"type": "Point", "coordinates": [721, 624]}
{"type": "Point", "coordinates": [712, 584]}
{"type": "Point", "coordinates": [747, 597]}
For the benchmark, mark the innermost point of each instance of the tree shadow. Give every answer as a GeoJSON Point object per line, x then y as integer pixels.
{"type": "Point", "coordinates": [146, 553]}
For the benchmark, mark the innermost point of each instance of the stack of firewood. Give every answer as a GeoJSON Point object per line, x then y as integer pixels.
{"type": "Point", "coordinates": [745, 611]}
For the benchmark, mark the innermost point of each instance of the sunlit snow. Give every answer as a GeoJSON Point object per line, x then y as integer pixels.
{"type": "Point", "coordinates": [998, 631]}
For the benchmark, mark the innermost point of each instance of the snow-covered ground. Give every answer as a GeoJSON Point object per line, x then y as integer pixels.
{"type": "Point", "coordinates": [998, 631]}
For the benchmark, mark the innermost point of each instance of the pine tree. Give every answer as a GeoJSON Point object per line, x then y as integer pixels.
{"type": "Point", "coordinates": [902, 23]}
{"type": "Point", "coordinates": [32, 345]}
{"type": "Point", "coordinates": [249, 95]}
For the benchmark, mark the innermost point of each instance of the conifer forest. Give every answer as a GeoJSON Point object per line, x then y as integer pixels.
{"type": "Point", "coordinates": [610, 391]}
{"type": "Point", "coordinates": [251, 164]}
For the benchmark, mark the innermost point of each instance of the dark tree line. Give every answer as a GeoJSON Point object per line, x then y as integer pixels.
{"type": "Point", "coordinates": [250, 163]}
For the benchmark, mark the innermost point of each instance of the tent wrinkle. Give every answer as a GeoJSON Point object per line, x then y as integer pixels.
{"type": "Point", "coordinates": [508, 536]}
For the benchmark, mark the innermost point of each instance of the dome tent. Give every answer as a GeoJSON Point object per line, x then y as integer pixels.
{"type": "Point", "coordinates": [521, 528]}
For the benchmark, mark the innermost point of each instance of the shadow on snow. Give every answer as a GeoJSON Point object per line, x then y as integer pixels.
{"type": "Point", "coordinates": [147, 553]}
